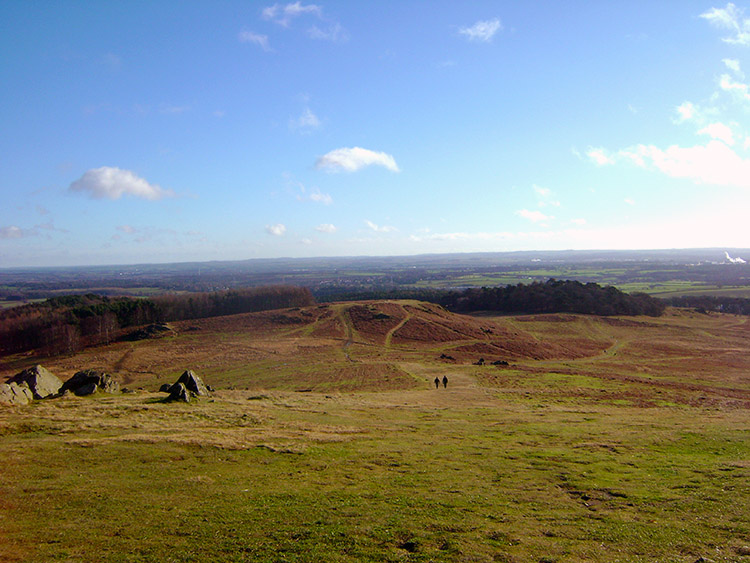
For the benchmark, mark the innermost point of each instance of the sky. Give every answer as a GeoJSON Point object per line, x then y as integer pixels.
{"type": "Point", "coordinates": [153, 131]}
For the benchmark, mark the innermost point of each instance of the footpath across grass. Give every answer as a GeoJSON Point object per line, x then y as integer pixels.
{"type": "Point", "coordinates": [460, 474]}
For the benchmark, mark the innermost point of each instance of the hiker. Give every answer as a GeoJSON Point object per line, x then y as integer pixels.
{"type": "Point", "coordinates": [445, 381]}
{"type": "Point", "coordinates": [437, 383]}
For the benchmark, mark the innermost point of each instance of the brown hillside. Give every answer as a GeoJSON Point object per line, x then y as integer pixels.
{"type": "Point", "coordinates": [332, 346]}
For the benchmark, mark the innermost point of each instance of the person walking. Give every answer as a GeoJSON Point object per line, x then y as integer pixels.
{"type": "Point", "coordinates": [445, 381]}
{"type": "Point", "coordinates": [437, 383]}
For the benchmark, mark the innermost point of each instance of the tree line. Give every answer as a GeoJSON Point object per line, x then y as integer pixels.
{"type": "Point", "coordinates": [551, 296]}
{"type": "Point", "coordinates": [66, 324]}
{"type": "Point", "coordinates": [705, 303]}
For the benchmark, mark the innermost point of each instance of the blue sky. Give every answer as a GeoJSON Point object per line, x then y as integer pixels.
{"type": "Point", "coordinates": [176, 131]}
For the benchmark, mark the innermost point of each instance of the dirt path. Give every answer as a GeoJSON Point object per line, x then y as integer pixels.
{"type": "Point", "coordinates": [390, 333]}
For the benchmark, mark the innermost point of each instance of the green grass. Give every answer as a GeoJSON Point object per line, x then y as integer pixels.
{"type": "Point", "coordinates": [527, 481]}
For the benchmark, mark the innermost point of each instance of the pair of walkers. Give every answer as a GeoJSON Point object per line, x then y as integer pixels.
{"type": "Point", "coordinates": [445, 382]}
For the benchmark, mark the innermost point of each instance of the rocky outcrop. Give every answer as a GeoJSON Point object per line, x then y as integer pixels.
{"type": "Point", "coordinates": [90, 381]}
{"type": "Point", "coordinates": [193, 383]}
{"type": "Point", "coordinates": [178, 392]}
{"type": "Point", "coordinates": [42, 382]}
{"type": "Point", "coordinates": [13, 394]}
{"type": "Point", "coordinates": [189, 385]}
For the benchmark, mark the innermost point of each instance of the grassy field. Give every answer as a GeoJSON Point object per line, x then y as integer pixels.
{"type": "Point", "coordinates": [602, 440]}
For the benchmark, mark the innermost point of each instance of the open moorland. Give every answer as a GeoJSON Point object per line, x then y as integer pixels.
{"type": "Point", "coordinates": [558, 438]}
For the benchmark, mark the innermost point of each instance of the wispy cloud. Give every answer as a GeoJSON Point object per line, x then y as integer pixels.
{"type": "Point", "coordinates": [277, 230]}
{"type": "Point", "coordinates": [325, 29]}
{"type": "Point", "coordinates": [740, 91]}
{"type": "Point", "coordinates": [283, 15]}
{"type": "Point", "coordinates": [306, 122]}
{"type": "Point", "coordinates": [42, 229]}
{"type": "Point", "coordinates": [309, 195]}
{"type": "Point", "coordinates": [326, 228]}
{"type": "Point", "coordinates": [380, 228]}
{"type": "Point", "coordinates": [533, 216]}
{"type": "Point", "coordinates": [11, 232]}
{"type": "Point", "coordinates": [255, 38]}
{"type": "Point", "coordinates": [730, 18]}
{"type": "Point", "coordinates": [545, 197]}
{"type": "Point", "coordinates": [482, 31]}
{"type": "Point", "coordinates": [334, 32]}
{"type": "Point", "coordinates": [319, 197]}
{"type": "Point", "coordinates": [734, 66]}
{"type": "Point", "coordinates": [353, 159]}
{"type": "Point", "coordinates": [599, 156]}
{"type": "Point", "coordinates": [173, 109]}
{"type": "Point", "coordinates": [112, 183]}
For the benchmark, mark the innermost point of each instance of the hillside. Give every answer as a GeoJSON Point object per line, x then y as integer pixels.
{"type": "Point", "coordinates": [376, 345]}
{"type": "Point", "coordinates": [599, 439]}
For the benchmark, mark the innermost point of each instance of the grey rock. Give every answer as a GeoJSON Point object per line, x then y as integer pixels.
{"type": "Point", "coordinates": [13, 394]}
{"type": "Point", "coordinates": [42, 382]}
{"type": "Point", "coordinates": [193, 383]}
{"type": "Point", "coordinates": [81, 383]}
{"type": "Point", "coordinates": [165, 388]}
{"type": "Point", "coordinates": [179, 392]}
{"type": "Point", "coordinates": [86, 389]}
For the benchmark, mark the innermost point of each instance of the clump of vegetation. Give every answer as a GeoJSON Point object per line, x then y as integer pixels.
{"type": "Point", "coordinates": [554, 296]}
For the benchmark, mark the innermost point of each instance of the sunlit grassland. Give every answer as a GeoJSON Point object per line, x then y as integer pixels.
{"type": "Point", "coordinates": [417, 476]}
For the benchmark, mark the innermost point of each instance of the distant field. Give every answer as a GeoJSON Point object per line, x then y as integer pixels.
{"type": "Point", "coordinates": [604, 439]}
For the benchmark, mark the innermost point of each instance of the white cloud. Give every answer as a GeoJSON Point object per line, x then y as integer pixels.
{"type": "Point", "coordinates": [714, 163]}
{"type": "Point", "coordinates": [579, 222]}
{"type": "Point", "coordinates": [256, 38]}
{"type": "Point", "coordinates": [600, 156]}
{"type": "Point", "coordinates": [112, 183]}
{"type": "Point", "coordinates": [353, 159]}
{"type": "Point", "coordinates": [718, 131]}
{"type": "Point", "coordinates": [380, 228]}
{"type": "Point", "coordinates": [306, 241]}
{"type": "Point", "coordinates": [276, 230]}
{"type": "Point", "coordinates": [737, 89]}
{"type": "Point", "coordinates": [10, 232]}
{"type": "Point", "coordinates": [326, 228]}
{"type": "Point", "coordinates": [629, 201]}
{"type": "Point", "coordinates": [534, 216]}
{"type": "Point", "coordinates": [482, 30]}
{"type": "Point", "coordinates": [129, 229]}
{"type": "Point", "coordinates": [283, 15]}
{"type": "Point", "coordinates": [686, 111]}
{"type": "Point", "coordinates": [730, 18]}
{"type": "Point", "coordinates": [306, 122]}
